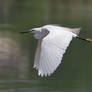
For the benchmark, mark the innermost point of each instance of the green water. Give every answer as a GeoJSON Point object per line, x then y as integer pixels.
{"type": "Point", "coordinates": [17, 51]}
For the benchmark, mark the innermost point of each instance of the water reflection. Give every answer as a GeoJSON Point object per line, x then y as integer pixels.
{"type": "Point", "coordinates": [13, 65]}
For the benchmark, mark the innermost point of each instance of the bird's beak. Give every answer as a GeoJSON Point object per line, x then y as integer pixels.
{"type": "Point", "coordinates": [29, 31]}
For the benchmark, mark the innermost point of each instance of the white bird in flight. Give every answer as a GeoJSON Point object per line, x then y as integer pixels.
{"type": "Point", "coordinates": [53, 41]}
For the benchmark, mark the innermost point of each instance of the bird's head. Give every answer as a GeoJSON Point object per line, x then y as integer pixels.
{"type": "Point", "coordinates": [38, 32]}
{"type": "Point", "coordinates": [34, 30]}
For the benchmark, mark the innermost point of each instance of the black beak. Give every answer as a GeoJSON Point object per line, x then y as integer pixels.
{"type": "Point", "coordinates": [26, 32]}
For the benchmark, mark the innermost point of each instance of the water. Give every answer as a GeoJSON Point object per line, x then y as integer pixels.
{"type": "Point", "coordinates": [17, 51]}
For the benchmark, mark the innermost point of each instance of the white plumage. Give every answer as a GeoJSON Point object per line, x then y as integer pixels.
{"type": "Point", "coordinates": [52, 43]}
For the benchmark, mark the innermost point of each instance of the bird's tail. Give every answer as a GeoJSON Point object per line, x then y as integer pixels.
{"type": "Point", "coordinates": [76, 30]}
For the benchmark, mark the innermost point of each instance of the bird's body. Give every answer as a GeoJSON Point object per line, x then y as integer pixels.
{"type": "Point", "coordinates": [56, 29]}
{"type": "Point", "coordinates": [51, 47]}
{"type": "Point", "coordinates": [52, 43]}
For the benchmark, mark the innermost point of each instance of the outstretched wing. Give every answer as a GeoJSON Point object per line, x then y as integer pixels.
{"type": "Point", "coordinates": [53, 46]}
{"type": "Point", "coordinates": [37, 54]}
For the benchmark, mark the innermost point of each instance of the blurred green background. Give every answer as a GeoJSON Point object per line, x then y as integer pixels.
{"type": "Point", "coordinates": [17, 51]}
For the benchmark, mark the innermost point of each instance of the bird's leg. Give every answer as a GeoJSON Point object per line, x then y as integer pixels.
{"type": "Point", "coordinates": [85, 39]}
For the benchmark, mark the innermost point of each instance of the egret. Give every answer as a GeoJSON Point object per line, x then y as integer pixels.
{"type": "Point", "coordinates": [53, 41]}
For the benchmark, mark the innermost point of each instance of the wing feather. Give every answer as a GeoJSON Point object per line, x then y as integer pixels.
{"type": "Point", "coordinates": [53, 46]}
{"type": "Point", "coordinates": [37, 54]}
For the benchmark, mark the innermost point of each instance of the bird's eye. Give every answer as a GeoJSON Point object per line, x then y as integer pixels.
{"type": "Point", "coordinates": [32, 30]}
